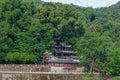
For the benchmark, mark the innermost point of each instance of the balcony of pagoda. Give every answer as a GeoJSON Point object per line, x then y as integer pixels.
{"type": "Point", "coordinates": [64, 51]}
{"type": "Point", "coordinates": [60, 46]}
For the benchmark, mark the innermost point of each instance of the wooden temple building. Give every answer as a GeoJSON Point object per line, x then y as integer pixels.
{"type": "Point", "coordinates": [62, 59]}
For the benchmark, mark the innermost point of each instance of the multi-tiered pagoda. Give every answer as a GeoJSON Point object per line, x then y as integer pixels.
{"type": "Point", "coordinates": [62, 57]}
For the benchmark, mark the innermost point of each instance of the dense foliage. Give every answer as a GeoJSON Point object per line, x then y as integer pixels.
{"type": "Point", "coordinates": [26, 28]}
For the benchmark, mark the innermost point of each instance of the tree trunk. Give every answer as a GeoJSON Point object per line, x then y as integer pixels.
{"type": "Point", "coordinates": [91, 66]}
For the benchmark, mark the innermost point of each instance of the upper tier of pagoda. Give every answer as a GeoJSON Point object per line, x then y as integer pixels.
{"type": "Point", "coordinates": [60, 47]}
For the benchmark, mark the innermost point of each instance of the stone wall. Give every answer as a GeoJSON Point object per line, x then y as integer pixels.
{"type": "Point", "coordinates": [44, 76]}
{"type": "Point", "coordinates": [38, 68]}
{"type": "Point", "coordinates": [24, 67]}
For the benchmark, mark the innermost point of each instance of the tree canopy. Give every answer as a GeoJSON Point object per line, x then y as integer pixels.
{"type": "Point", "coordinates": [26, 28]}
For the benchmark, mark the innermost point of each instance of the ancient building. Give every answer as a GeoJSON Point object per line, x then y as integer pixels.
{"type": "Point", "coordinates": [62, 59]}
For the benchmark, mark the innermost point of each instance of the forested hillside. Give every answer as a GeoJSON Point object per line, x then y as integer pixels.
{"type": "Point", "coordinates": [26, 28]}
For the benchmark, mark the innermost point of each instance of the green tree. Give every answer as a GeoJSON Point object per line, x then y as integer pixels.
{"type": "Point", "coordinates": [92, 47]}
